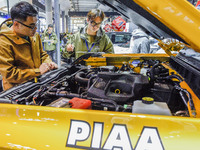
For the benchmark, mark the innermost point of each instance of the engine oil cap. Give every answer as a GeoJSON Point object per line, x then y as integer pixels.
{"type": "Point", "coordinates": [147, 100]}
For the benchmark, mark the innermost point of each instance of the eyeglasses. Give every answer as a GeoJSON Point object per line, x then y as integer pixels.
{"type": "Point", "coordinates": [93, 23]}
{"type": "Point", "coordinates": [31, 27]}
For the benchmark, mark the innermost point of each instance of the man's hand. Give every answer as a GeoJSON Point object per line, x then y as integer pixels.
{"type": "Point", "coordinates": [53, 65]}
{"type": "Point", "coordinates": [70, 48]}
{"type": "Point", "coordinates": [45, 67]}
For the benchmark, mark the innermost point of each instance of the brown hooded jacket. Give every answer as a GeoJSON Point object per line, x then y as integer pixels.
{"type": "Point", "coordinates": [20, 59]}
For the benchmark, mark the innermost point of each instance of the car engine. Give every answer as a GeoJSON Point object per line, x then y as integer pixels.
{"type": "Point", "coordinates": [107, 88]}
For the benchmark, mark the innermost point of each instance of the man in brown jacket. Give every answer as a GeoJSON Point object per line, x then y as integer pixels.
{"type": "Point", "coordinates": [21, 53]}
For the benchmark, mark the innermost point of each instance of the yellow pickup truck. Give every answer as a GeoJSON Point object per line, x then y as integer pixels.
{"type": "Point", "coordinates": [116, 101]}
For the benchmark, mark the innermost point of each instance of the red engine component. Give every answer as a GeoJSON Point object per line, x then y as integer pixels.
{"type": "Point", "coordinates": [80, 103]}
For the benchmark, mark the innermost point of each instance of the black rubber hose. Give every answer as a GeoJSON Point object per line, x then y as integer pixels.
{"type": "Point", "coordinates": [171, 77]}
{"type": "Point", "coordinates": [176, 76]}
{"type": "Point", "coordinates": [181, 91]}
{"type": "Point", "coordinates": [151, 72]}
{"type": "Point", "coordinates": [90, 81]}
{"type": "Point", "coordinates": [80, 77]}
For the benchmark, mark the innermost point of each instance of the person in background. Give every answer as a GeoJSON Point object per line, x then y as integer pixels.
{"type": "Point", "coordinates": [64, 40]}
{"type": "Point", "coordinates": [139, 42]}
{"type": "Point", "coordinates": [50, 40]}
{"type": "Point", "coordinates": [91, 38]}
{"type": "Point", "coordinates": [22, 56]}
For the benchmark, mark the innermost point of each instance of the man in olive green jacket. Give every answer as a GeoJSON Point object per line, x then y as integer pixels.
{"type": "Point", "coordinates": [21, 53]}
{"type": "Point", "coordinates": [50, 39]}
{"type": "Point", "coordinates": [92, 38]}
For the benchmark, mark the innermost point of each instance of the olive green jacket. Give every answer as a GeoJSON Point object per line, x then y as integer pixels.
{"type": "Point", "coordinates": [48, 46]}
{"type": "Point", "coordinates": [19, 59]}
{"type": "Point", "coordinates": [102, 43]}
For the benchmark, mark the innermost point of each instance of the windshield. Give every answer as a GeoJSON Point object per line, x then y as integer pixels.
{"type": "Point", "coordinates": [122, 38]}
{"type": "Point", "coordinates": [119, 37]}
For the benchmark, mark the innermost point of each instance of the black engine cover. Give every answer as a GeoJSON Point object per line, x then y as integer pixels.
{"type": "Point", "coordinates": [118, 87]}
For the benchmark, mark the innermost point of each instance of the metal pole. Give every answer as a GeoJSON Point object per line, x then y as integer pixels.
{"type": "Point", "coordinates": [57, 29]}
{"type": "Point", "coordinates": [67, 26]}
{"type": "Point", "coordinates": [63, 21]}
{"type": "Point", "coordinates": [70, 25]}
{"type": "Point", "coordinates": [48, 9]}
{"type": "Point", "coordinates": [8, 7]}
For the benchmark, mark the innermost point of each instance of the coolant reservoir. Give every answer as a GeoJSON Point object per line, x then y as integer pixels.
{"type": "Point", "coordinates": [148, 106]}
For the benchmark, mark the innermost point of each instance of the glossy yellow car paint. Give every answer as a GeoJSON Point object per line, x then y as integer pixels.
{"type": "Point", "coordinates": [119, 59]}
{"type": "Point", "coordinates": [95, 61]}
{"type": "Point", "coordinates": [32, 127]}
{"type": "Point", "coordinates": [175, 15]}
{"type": "Point", "coordinates": [25, 127]}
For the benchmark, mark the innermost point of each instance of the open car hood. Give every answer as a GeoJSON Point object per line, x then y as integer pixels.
{"type": "Point", "coordinates": [162, 19]}
{"type": "Point", "coordinates": [114, 101]}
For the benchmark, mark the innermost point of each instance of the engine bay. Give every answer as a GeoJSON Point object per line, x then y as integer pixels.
{"type": "Point", "coordinates": [107, 88]}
